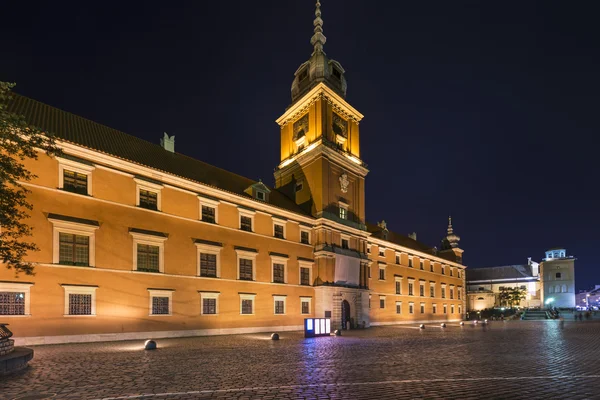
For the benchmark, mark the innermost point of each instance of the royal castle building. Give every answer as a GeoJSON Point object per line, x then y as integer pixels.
{"type": "Point", "coordinates": [138, 240]}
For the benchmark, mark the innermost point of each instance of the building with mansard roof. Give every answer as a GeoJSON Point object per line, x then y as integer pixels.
{"type": "Point", "coordinates": [139, 240]}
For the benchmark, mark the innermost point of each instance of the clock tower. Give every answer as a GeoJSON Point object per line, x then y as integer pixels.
{"type": "Point", "coordinates": [321, 170]}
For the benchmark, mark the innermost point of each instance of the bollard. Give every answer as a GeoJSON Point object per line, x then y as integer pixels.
{"type": "Point", "coordinates": [150, 345]}
{"type": "Point", "coordinates": [275, 336]}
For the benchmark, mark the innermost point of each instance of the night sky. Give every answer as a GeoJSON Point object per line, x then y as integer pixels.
{"type": "Point", "coordinates": [484, 110]}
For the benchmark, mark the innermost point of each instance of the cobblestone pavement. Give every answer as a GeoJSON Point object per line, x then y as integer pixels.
{"type": "Point", "coordinates": [503, 360]}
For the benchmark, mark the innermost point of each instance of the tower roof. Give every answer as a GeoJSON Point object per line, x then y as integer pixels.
{"type": "Point", "coordinates": [318, 68]}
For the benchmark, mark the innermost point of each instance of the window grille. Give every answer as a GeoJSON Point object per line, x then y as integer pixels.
{"type": "Point", "coordinates": [160, 305]}
{"type": "Point", "coordinates": [208, 265]}
{"type": "Point", "coordinates": [208, 214]}
{"type": "Point", "coordinates": [278, 273]}
{"type": "Point", "coordinates": [246, 269]}
{"type": "Point", "coordinates": [75, 182]}
{"type": "Point", "coordinates": [148, 258]}
{"type": "Point", "coordinates": [74, 249]}
{"type": "Point", "coordinates": [148, 199]}
{"type": "Point", "coordinates": [12, 303]}
{"type": "Point", "coordinates": [80, 304]}
{"type": "Point", "coordinates": [209, 306]}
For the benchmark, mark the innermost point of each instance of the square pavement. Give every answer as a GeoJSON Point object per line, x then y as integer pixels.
{"type": "Point", "coordinates": [501, 360]}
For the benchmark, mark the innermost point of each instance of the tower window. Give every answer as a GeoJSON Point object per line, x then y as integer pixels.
{"type": "Point", "coordinates": [303, 75]}
{"type": "Point", "coordinates": [260, 195]}
{"type": "Point", "coordinates": [337, 73]}
{"type": "Point", "coordinates": [299, 186]}
{"type": "Point", "coordinates": [343, 213]}
{"type": "Point", "coordinates": [345, 244]}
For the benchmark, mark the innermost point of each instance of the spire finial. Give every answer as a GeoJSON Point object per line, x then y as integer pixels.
{"type": "Point", "coordinates": [450, 230]}
{"type": "Point", "coordinates": [318, 39]}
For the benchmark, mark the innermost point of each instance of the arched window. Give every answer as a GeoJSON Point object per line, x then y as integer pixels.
{"type": "Point", "coordinates": [551, 289]}
{"type": "Point", "coordinates": [564, 288]}
{"type": "Point", "coordinates": [557, 289]}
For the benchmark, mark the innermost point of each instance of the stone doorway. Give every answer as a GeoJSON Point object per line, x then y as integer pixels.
{"type": "Point", "coordinates": [345, 314]}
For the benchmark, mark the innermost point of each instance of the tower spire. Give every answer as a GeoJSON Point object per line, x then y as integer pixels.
{"type": "Point", "coordinates": [450, 230]}
{"type": "Point", "coordinates": [318, 39]}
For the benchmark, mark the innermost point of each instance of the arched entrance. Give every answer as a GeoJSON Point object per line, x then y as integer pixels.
{"type": "Point", "coordinates": [345, 313]}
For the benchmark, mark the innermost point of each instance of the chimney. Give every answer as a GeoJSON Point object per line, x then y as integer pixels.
{"type": "Point", "coordinates": [413, 235]}
{"type": "Point", "coordinates": [168, 143]}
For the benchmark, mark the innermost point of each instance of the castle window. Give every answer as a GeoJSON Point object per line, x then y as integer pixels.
{"type": "Point", "coordinates": [208, 210]}
{"type": "Point", "coordinates": [299, 186]}
{"type": "Point", "coordinates": [381, 252]}
{"type": "Point", "coordinates": [208, 214]}
{"type": "Point", "coordinates": [208, 265]}
{"type": "Point", "coordinates": [345, 244]}
{"type": "Point", "coordinates": [452, 309]}
{"type": "Point", "coordinates": [397, 258]}
{"type": "Point", "coordinates": [303, 75]}
{"type": "Point", "coordinates": [74, 249]}
{"type": "Point", "coordinates": [279, 304]}
{"type": "Point", "coordinates": [382, 273]}
{"type": "Point", "coordinates": [245, 269]}
{"type": "Point", "coordinates": [148, 194]}
{"type": "Point", "coordinates": [75, 177]}
{"type": "Point", "coordinates": [398, 287]}
{"type": "Point", "coordinates": [80, 300]}
{"type": "Point", "coordinates": [445, 309]}
{"type": "Point", "coordinates": [305, 304]}
{"type": "Point", "coordinates": [247, 303]}
{"type": "Point", "coordinates": [558, 275]}
{"type": "Point", "coordinates": [304, 237]}
{"type": "Point", "coordinates": [411, 308]}
{"type": "Point", "coordinates": [260, 195]}
{"type": "Point", "coordinates": [410, 262]}
{"type": "Point", "coordinates": [422, 308]}
{"type": "Point", "coordinates": [431, 266]}
{"type": "Point", "coordinates": [305, 276]}
{"type": "Point", "coordinates": [431, 289]}
{"type": "Point", "coordinates": [343, 212]}
{"type": "Point", "coordinates": [422, 289]}
{"type": "Point", "coordinates": [434, 309]}
{"type": "Point", "coordinates": [278, 231]}
{"type": "Point", "coordinates": [421, 267]}
{"type": "Point", "coordinates": [148, 258]}
{"type": "Point", "coordinates": [336, 73]}
{"type": "Point", "coordinates": [14, 298]}
{"type": "Point", "coordinates": [411, 288]}
{"type": "Point", "coordinates": [278, 273]}
{"type": "Point", "coordinates": [246, 219]}
{"type": "Point", "coordinates": [381, 301]}
{"type": "Point", "coordinates": [73, 240]}
{"type": "Point", "coordinates": [148, 199]}
{"type": "Point", "coordinates": [209, 302]}
{"type": "Point", "coordinates": [398, 307]}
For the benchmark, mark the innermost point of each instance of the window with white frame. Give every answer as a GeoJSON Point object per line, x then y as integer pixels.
{"type": "Point", "coordinates": [73, 240]}
{"type": "Point", "coordinates": [381, 301]}
{"type": "Point", "coordinates": [279, 228]}
{"type": "Point", "coordinates": [397, 258]}
{"type": "Point", "coordinates": [80, 300]}
{"type": "Point", "coordinates": [209, 303]}
{"type": "Point", "coordinates": [422, 308]}
{"type": "Point", "coordinates": [246, 220]}
{"type": "Point", "coordinates": [459, 309]}
{"type": "Point", "coordinates": [209, 210]}
{"type": "Point", "coordinates": [451, 292]}
{"type": "Point", "coordinates": [451, 271]}
{"type": "Point", "coordinates": [161, 302]}
{"type": "Point", "coordinates": [247, 303]}
{"type": "Point", "coordinates": [445, 309]}
{"type": "Point", "coordinates": [305, 305]}
{"type": "Point", "coordinates": [443, 269]}
{"type": "Point", "coordinates": [421, 265]}
{"type": "Point", "coordinates": [345, 242]}
{"type": "Point", "coordinates": [304, 236]}
{"type": "Point", "coordinates": [148, 251]}
{"type": "Point", "coordinates": [431, 266]}
{"type": "Point", "coordinates": [75, 177]}
{"type": "Point", "coordinates": [209, 259]}
{"type": "Point", "coordinates": [15, 299]}
{"type": "Point", "coordinates": [398, 285]}
{"type": "Point", "coordinates": [411, 308]}
{"type": "Point", "coordinates": [443, 291]}
{"type": "Point", "coordinates": [431, 289]}
{"type": "Point", "coordinates": [422, 288]}
{"type": "Point", "coordinates": [278, 269]}
{"type": "Point", "coordinates": [382, 272]}
{"type": "Point", "coordinates": [411, 287]}
{"type": "Point", "coordinates": [458, 273]}
{"type": "Point", "coordinates": [381, 251]}
{"type": "Point", "coordinates": [410, 261]}
{"type": "Point", "coordinates": [305, 273]}
{"type": "Point", "coordinates": [246, 261]}
{"type": "Point", "coordinates": [279, 305]}
{"type": "Point", "coordinates": [451, 308]}
{"type": "Point", "coordinates": [148, 194]}
{"type": "Point", "coordinates": [434, 308]}
{"type": "Point", "coordinates": [458, 290]}
{"type": "Point", "coordinates": [398, 307]}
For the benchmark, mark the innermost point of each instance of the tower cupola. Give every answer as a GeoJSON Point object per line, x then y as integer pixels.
{"type": "Point", "coordinates": [318, 68]}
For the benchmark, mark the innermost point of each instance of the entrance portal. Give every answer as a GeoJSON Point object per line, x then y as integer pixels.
{"type": "Point", "coordinates": [345, 314]}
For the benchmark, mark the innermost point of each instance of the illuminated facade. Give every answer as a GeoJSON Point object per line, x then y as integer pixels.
{"type": "Point", "coordinates": [137, 240]}
{"type": "Point", "coordinates": [550, 283]}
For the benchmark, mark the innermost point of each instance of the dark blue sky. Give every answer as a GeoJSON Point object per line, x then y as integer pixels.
{"type": "Point", "coordinates": [484, 110]}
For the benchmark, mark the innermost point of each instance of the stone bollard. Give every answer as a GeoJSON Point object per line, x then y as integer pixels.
{"type": "Point", "coordinates": [150, 345]}
{"type": "Point", "coordinates": [275, 336]}
{"type": "Point", "coordinates": [443, 325]}
{"type": "Point", "coordinates": [338, 332]}
{"type": "Point", "coordinates": [422, 326]}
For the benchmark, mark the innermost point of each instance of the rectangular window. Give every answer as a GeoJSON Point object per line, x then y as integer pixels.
{"type": "Point", "coordinates": [209, 306]}
{"type": "Point", "coordinates": [398, 287]}
{"type": "Point", "coordinates": [343, 213]}
{"type": "Point", "coordinates": [458, 273]}
{"type": "Point", "coordinates": [452, 309]}
{"type": "Point", "coordinates": [421, 265]}
{"type": "Point", "coordinates": [304, 238]}
{"type": "Point", "coordinates": [246, 223]}
{"type": "Point", "coordinates": [443, 292]}
{"type": "Point", "coordinates": [382, 274]}
{"type": "Point", "coordinates": [80, 304]}
{"type": "Point", "coordinates": [369, 272]}
{"type": "Point", "coordinates": [345, 244]}
{"type": "Point", "coordinates": [305, 307]}
{"type": "Point", "coordinates": [431, 291]}
{"type": "Point", "coordinates": [368, 249]}
{"type": "Point", "coordinates": [451, 293]}
{"type": "Point", "coordinates": [451, 271]}
{"type": "Point", "coordinates": [458, 293]}
{"type": "Point", "coordinates": [278, 231]}
{"type": "Point", "coordinates": [75, 182]}
{"type": "Point", "coordinates": [246, 269]}
{"type": "Point", "coordinates": [148, 199]}
{"type": "Point", "coordinates": [247, 306]}
{"type": "Point", "coordinates": [410, 288]}
{"type": "Point", "coordinates": [410, 262]}
{"type": "Point", "coordinates": [422, 308]}
{"type": "Point", "coordinates": [445, 309]}
{"type": "Point", "coordinates": [459, 309]}
{"type": "Point", "coordinates": [279, 307]}
{"type": "Point", "coordinates": [208, 214]}
{"type": "Point", "coordinates": [12, 303]}
{"type": "Point", "coordinates": [434, 310]}
{"type": "Point", "coordinates": [411, 308]}
{"type": "Point", "coordinates": [381, 252]}
{"type": "Point", "coordinates": [422, 289]}
{"type": "Point", "coordinates": [305, 276]}
{"type": "Point", "coordinates": [382, 302]}
{"type": "Point", "coordinates": [148, 258]}
{"type": "Point", "coordinates": [74, 249]}
{"type": "Point", "coordinates": [398, 308]}
{"type": "Point", "coordinates": [160, 305]}
{"type": "Point", "coordinates": [208, 265]}
{"type": "Point", "coordinates": [278, 273]}
{"type": "Point", "coordinates": [443, 270]}
{"type": "Point", "coordinates": [397, 259]}
{"type": "Point", "coordinates": [431, 266]}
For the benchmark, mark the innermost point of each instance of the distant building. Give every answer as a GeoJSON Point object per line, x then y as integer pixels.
{"type": "Point", "coordinates": [588, 298]}
{"type": "Point", "coordinates": [550, 283]}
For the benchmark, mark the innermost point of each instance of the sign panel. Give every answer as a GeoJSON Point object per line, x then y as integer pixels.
{"type": "Point", "coordinates": [317, 327]}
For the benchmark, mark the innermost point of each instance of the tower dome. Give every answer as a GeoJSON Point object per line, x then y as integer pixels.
{"type": "Point", "coordinates": [318, 68]}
